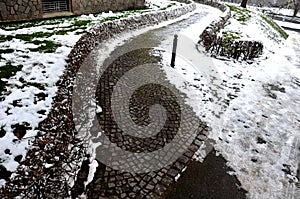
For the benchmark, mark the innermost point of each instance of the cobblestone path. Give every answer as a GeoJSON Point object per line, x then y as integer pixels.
{"type": "Point", "coordinates": [111, 183]}
{"type": "Point", "coordinates": [169, 122]}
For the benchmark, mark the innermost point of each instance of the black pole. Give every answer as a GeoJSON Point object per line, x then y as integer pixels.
{"type": "Point", "coordinates": [174, 51]}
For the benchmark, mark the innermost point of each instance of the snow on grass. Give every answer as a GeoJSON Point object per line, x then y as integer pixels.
{"type": "Point", "coordinates": [252, 108]}
{"type": "Point", "coordinates": [287, 11]}
{"type": "Point", "coordinates": [249, 25]}
{"type": "Point", "coordinates": [279, 11]}
{"type": "Point", "coordinates": [161, 4]}
{"type": "Point", "coordinates": [38, 51]}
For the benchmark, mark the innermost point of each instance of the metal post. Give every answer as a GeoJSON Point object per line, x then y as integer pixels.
{"type": "Point", "coordinates": [174, 51]}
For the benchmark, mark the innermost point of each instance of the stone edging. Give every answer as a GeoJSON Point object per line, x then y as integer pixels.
{"type": "Point", "coordinates": [218, 45]}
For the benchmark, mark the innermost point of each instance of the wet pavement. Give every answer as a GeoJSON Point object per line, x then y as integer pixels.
{"type": "Point", "coordinates": [206, 180]}
{"type": "Point", "coordinates": [140, 176]}
{"type": "Point", "coordinates": [161, 157]}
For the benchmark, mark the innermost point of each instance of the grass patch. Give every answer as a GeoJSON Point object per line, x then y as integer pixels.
{"type": "Point", "coordinates": [6, 38]}
{"type": "Point", "coordinates": [275, 26]}
{"type": "Point", "coordinates": [20, 25]}
{"type": "Point", "coordinates": [231, 35]}
{"type": "Point", "coordinates": [80, 23]}
{"type": "Point", "coordinates": [6, 51]}
{"type": "Point", "coordinates": [25, 37]}
{"type": "Point", "coordinates": [240, 14]}
{"type": "Point", "coordinates": [45, 46]}
{"type": "Point", "coordinates": [110, 18]}
{"type": "Point", "coordinates": [7, 71]}
{"type": "Point", "coordinates": [168, 6]}
{"type": "Point", "coordinates": [30, 37]}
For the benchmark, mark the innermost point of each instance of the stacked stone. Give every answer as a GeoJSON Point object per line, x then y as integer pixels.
{"type": "Point", "coordinates": [96, 6]}
{"type": "Point", "coordinates": [243, 50]}
{"type": "Point", "coordinates": [209, 35]}
{"type": "Point", "coordinates": [14, 10]}
{"type": "Point", "coordinates": [18, 10]}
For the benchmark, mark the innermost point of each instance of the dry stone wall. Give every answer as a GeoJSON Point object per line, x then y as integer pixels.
{"type": "Point", "coordinates": [85, 7]}
{"type": "Point", "coordinates": [14, 10]}
{"type": "Point", "coordinates": [20, 10]}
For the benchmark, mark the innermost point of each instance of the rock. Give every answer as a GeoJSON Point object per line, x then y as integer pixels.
{"type": "Point", "coordinates": [18, 158]}
{"type": "Point", "coordinates": [12, 11]}
{"type": "Point", "coordinates": [21, 9]}
{"type": "Point", "coordinates": [20, 130]}
{"type": "Point", "coordinates": [16, 7]}
{"type": "Point", "coordinates": [4, 174]}
{"type": "Point", "coordinates": [2, 132]}
{"type": "Point", "coordinates": [27, 10]}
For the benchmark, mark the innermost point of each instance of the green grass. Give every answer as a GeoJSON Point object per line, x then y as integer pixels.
{"type": "Point", "coordinates": [240, 14]}
{"type": "Point", "coordinates": [7, 71]}
{"type": "Point", "coordinates": [16, 26]}
{"type": "Point", "coordinates": [275, 26]}
{"type": "Point", "coordinates": [6, 51]}
{"type": "Point", "coordinates": [168, 6]}
{"type": "Point", "coordinates": [26, 37]}
{"type": "Point", "coordinates": [80, 23]}
{"type": "Point", "coordinates": [232, 35]}
{"type": "Point", "coordinates": [45, 46]}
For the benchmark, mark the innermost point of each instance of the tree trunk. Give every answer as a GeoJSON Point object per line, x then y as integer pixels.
{"type": "Point", "coordinates": [297, 6]}
{"type": "Point", "coordinates": [244, 3]}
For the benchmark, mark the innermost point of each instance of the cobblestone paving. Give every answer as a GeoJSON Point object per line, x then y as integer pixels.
{"type": "Point", "coordinates": [111, 183]}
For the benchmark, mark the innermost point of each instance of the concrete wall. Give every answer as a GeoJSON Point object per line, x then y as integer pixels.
{"type": "Point", "coordinates": [19, 10]}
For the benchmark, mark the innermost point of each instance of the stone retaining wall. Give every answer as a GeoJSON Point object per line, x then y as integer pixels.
{"type": "Point", "coordinates": [218, 45]}
{"type": "Point", "coordinates": [14, 10]}
{"type": "Point", "coordinates": [86, 7]}
{"type": "Point", "coordinates": [20, 10]}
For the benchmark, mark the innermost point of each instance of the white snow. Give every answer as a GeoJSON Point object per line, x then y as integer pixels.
{"type": "Point", "coordinates": [252, 115]}
{"type": "Point", "coordinates": [288, 24]}
{"type": "Point", "coordinates": [93, 167]}
{"type": "Point", "coordinates": [236, 127]}
{"type": "Point", "coordinates": [42, 69]}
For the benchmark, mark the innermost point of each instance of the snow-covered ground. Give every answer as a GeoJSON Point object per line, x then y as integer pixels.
{"type": "Point", "coordinates": [251, 25]}
{"type": "Point", "coordinates": [252, 108]}
{"type": "Point", "coordinates": [279, 11]}
{"type": "Point", "coordinates": [287, 11]}
{"type": "Point", "coordinates": [294, 26]}
{"type": "Point", "coordinates": [30, 91]}
{"type": "Point", "coordinates": [253, 111]}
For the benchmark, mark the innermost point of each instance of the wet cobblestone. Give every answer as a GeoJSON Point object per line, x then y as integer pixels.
{"type": "Point", "coordinates": [111, 183]}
